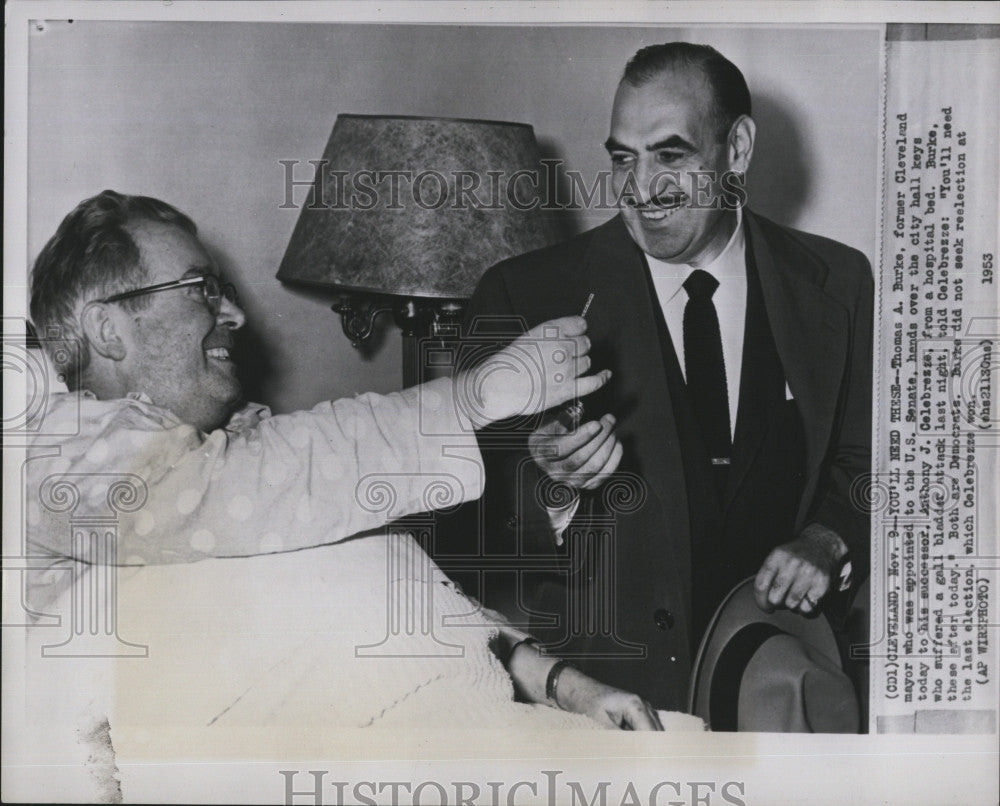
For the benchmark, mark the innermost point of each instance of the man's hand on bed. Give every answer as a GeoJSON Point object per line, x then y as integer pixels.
{"type": "Point", "coordinates": [610, 706]}
{"type": "Point", "coordinates": [573, 690]}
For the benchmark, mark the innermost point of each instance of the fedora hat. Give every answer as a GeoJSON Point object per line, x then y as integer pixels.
{"type": "Point", "coordinates": [771, 672]}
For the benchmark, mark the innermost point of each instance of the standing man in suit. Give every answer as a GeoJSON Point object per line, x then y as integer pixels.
{"type": "Point", "coordinates": [740, 410]}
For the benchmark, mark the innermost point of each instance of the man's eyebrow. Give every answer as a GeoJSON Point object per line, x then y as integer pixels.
{"type": "Point", "coordinates": [673, 141]}
{"type": "Point", "coordinates": [611, 144]}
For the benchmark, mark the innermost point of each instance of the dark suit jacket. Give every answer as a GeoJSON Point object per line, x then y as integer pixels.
{"type": "Point", "coordinates": [818, 295]}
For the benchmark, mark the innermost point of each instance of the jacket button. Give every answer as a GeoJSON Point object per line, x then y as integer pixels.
{"type": "Point", "coordinates": [664, 619]}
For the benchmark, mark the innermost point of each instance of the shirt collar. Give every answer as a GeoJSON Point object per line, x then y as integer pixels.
{"type": "Point", "coordinates": [730, 262]}
{"type": "Point", "coordinates": [246, 417]}
{"type": "Point", "coordinates": [142, 397]}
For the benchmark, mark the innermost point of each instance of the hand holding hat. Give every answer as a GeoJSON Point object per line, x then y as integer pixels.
{"type": "Point", "coordinates": [797, 575]}
{"type": "Point", "coordinates": [775, 671]}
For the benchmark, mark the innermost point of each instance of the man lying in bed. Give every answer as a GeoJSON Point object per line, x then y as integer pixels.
{"type": "Point", "coordinates": [215, 503]}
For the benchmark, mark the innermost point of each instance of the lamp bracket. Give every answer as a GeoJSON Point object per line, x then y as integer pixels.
{"type": "Point", "coordinates": [414, 315]}
{"type": "Point", "coordinates": [358, 314]}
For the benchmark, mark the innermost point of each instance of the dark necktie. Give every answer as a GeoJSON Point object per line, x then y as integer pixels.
{"type": "Point", "coordinates": [705, 367]}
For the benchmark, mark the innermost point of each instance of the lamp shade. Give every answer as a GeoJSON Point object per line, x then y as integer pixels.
{"type": "Point", "coordinates": [417, 207]}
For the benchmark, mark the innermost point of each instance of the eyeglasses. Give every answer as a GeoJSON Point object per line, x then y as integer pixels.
{"type": "Point", "coordinates": [211, 289]}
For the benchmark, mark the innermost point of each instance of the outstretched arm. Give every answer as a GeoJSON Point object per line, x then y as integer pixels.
{"type": "Point", "coordinates": [540, 369]}
{"type": "Point", "coordinates": [298, 480]}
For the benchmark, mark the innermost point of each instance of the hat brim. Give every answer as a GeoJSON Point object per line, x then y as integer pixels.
{"type": "Point", "coordinates": [736, 630]}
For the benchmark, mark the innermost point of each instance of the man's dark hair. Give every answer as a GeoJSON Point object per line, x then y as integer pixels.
{"type": "Point", "coordinates": [92, 255]}
{"type": "Point", "coordinates": [730, 93]}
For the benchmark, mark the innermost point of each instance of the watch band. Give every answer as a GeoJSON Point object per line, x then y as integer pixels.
{"type": "Point", "coordinates": [552, 681]}
{"type": "Point", "coordinates": [510, 652]}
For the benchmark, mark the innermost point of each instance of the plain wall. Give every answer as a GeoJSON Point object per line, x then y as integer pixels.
{"type": "Point", "coordinates": [199, 114]}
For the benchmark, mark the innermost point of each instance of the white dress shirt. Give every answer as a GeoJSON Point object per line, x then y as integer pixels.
{"type": "Point", "coordinates": [730, 300]}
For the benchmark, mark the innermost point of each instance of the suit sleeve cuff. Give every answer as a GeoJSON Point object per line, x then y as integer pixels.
{"type": "Point", "coordinates": [560, 517]}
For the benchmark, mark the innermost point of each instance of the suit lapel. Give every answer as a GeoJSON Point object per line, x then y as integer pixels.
{"type": "Point", "coordinates": [754, 406]}
{"type": "Point", "coordinates": [809, 330]}
{"type": "Point", "coordinates": [622, 318]}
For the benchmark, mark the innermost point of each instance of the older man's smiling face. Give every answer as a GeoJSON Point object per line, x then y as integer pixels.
{"type": "Point", "coordinates": [177, 351]}
{"type": "Point", "coordinates": [664, 148]}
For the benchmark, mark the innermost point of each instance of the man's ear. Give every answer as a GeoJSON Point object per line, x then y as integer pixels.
{"type": "Point", "coordinates": [101, 332]}
{"type": "Point", "coordinates": [740, 143]}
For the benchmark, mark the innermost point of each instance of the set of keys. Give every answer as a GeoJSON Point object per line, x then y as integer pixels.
{"type": "Point", "coordinates": [571, 415]}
